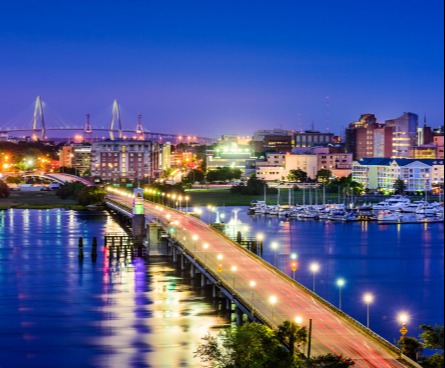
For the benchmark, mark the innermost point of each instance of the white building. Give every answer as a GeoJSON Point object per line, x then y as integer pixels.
{"type": "Point", "coordinates": [273, 168]}
{"type": "Point", "coordinates": [381, 173]}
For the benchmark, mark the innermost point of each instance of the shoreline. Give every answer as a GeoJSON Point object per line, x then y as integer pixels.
{"type": "Point", "coordinates": [37, 201]}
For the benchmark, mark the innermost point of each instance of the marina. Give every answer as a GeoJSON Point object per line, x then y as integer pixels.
{"type": "Point", "coordinates": [394, 210]}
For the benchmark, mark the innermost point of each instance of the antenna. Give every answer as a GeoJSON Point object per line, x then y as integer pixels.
{"type": "Point", "coordinates": [328, 113]}
{"type": "Point", "coordinates": [299, 123]}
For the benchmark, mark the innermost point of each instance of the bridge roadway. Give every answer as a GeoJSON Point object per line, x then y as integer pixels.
{"type": "Point", "coordinates": [333, 331]}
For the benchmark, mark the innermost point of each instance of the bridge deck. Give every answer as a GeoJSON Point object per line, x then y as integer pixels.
{"type": "Point", "coordinates": [332, 332]}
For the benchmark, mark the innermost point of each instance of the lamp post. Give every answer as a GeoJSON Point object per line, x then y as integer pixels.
{"type": "Point", "coordinates": [368, 298]}
{"type": "Point", "coordinates": [219, 259]}
{"type": "Point", "coordinates": [315, 268]}
{"type": "Point", "coordinates": [205, 246]}
{"type": "Point", "coordinates": [294, 264]}
{"type": "Point", "coordinates": [252, 286]}
{"type": "Point", "coordinates": [273, 301]}
{"type": "Point", "coordinates": [187, 198]}
{"type": "Point", "coordinates": [234, 269]}
{"type": "Point", "coordinates": [340, 283]}
{"type": "Point", "coordinates": [274, 246]}
{"type": "Point", "coordinates": [403, 319]}
{"type": "Point", "coordinates": [260, 239]}
{"type": "Point", "coordinates": [194, 238]}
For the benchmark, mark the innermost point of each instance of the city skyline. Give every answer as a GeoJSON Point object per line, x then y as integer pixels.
{"type": "Point", "coordinates": [210, 69]}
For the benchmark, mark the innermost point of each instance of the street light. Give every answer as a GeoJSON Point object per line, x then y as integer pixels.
{"type": "Point", "coordinates": [403, 319]}
{"type": "Point", "coordinates": [234, 269]}
{"type": "Point", "coordinates": [205, 246]}
{"type": "Point", "coordinates": [260, 239]}
{"type": "Point", "coordinates": [314, 267]}
{"type": "Point", "coordinates": [219, 258]}
{"type": "Point", "coordinates": [340, 283]}
{"type": "Point", "coordinates": [252, 285]}
{"type": "Point", "coordinates": [195, 238]}
{"type": "Point", "coordinates": [273, 301]}
{"type": "Point", "coordinates": [187, 198]}
{"type": "Point", "coordinates": [274, 246]}
{"type": "Point", "coordinates": [294, 264]}
{"type": "Point", "coordinates": [368, 298]}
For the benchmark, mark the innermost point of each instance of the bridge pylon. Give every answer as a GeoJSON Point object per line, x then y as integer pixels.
{"type": "Point", "coordinates": [140, 129]}
{"type": "Point", "coordinates": [115, 118]}
{"type": "Point", "coordinates": [38, 115]}
{"type": "Point", "coordinates": [88, 130]}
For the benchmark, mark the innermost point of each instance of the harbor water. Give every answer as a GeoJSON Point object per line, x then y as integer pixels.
{"type": "Point", "coordinates": [59, 312]}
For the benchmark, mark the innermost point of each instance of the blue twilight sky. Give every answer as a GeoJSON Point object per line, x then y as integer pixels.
{"type": "Point", "coordinates": [221, 66]}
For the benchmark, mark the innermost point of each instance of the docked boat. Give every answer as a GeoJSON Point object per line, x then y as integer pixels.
{"type": "Point", "coordinates": [389, 217]}
{"type": "Point", "coordinates": [393, 203]}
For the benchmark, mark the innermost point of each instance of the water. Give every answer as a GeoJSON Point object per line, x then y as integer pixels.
{"type": "Point", "coordinates": [57, 312]}
{"type": "Point", "coordinates": [401, 265]}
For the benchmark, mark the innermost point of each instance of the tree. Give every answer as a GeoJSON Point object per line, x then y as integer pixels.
{"type": "Point", "coordinates": [434, 361]}
{"type": "Point", "coordinates": [254, 186]}
{"type": "Point", "coordinates": [432, 337]}
{"type": "Point", "coordinates": [399, 186]}
{"type": "Point", "coordinates": [290, 334]}
{"type": "Point", "coordinates": [331, 361]}
{"type": "Point", "coordinates": [91, 195]}
{"type": "Point", "coordinates": [324, 175]}
{"type": "Point", "coordinates": [248, 346]}
{"type": "Point", "coordinates": [193, 176]}
{"type": "Point", "coordinates": [298, 175]}
{"type": "Point", "coordinates": [410, 346]}
{"type": "Point", "coordinates": [223, 174]}
{"type": "Point", "coordinates": [4, 190]}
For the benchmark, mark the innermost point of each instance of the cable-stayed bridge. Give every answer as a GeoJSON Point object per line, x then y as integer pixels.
{"type": "Point", "coordinates": [38, 128]}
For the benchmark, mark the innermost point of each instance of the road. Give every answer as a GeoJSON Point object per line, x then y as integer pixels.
{"type": "Point", "coordinates": [331, 333]}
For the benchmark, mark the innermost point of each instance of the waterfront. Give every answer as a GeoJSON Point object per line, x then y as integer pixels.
{"type": "Point", "coordinates": [132, 314]}
{"type": "Point", "coordinates": [401, 265]}
{"type": "Point", "coordinates": [57, 312]}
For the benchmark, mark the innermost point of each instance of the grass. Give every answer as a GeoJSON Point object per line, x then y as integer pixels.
{"type": "Point", "coordinates": [223, 197]}
{"type": "Point", "coordinates": [37, 200]}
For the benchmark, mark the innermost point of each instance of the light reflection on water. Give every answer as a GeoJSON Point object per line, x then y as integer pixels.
{"type": "Point", "coordinates": [402, 265]}
{"type": "Point", "coordinates": [57, 312]}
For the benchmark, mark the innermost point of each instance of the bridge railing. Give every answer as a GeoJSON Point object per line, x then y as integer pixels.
{"type": "Point", "coordinates": [227, 285]}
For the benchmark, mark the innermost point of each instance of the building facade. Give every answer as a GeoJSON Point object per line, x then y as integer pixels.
{"type": "Point", "coordinates": [124, 160]}
{"type": "Point", "coordinates": [381, 173]}
{"type": "Point", "coordinates": [311, 138]}
{"type": "Point", "coordinates": [404, 135]}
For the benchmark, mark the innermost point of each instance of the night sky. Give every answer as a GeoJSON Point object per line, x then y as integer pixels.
{"type": "Point", "coordinates": [220, 67]}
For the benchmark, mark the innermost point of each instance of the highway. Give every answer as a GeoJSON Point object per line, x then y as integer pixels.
{"type": "Point", "coordinates": [276, 297]}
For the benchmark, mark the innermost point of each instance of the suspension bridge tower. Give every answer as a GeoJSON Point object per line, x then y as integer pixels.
{"type": "Point", "coordinates": [88, 130]}
{"type": "Point", "coordinates": [116, 119]}
{"type": "Point", "coordinates": [38, 115]}
{"type": "Point", "coordinates": [140, 129]}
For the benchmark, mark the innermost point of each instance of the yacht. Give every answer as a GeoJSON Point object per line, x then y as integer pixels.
{"type": "Point", "coordinates": [389, 217]}
{"type": "Point", "coordinates": [393, 203]}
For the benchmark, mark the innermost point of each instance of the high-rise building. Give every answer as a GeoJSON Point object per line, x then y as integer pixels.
{"type": "Point", "coordinates": [404, 135]}
{"type": "Point", "coordinates": [360, 137]}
